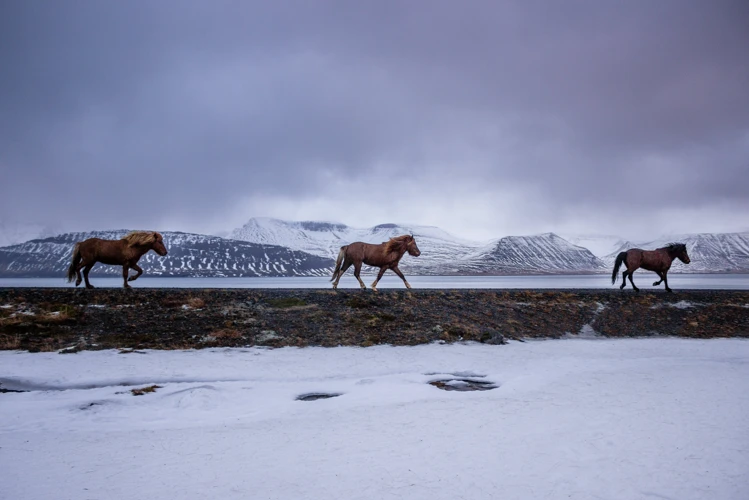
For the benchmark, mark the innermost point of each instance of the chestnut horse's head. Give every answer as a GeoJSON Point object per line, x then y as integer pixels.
{"type": "Point", "coordinates": [411, 247]}
{"type": "Point", "coordinates": [679, 250]}
{"type": "Point", "coordinates": [151, 239]}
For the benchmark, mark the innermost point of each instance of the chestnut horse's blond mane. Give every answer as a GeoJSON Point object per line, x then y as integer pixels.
{"type": "Point", "coordinates": [397, 243]}
{"type": "Point", "coordinates": [136, 238]}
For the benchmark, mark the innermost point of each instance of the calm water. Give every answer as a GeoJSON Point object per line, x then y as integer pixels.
{"type": "Point", "coordinates": [643, 280]}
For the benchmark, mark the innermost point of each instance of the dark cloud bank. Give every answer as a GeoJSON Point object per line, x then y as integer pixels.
{"type": "Point", "coordinates": [485, 118]}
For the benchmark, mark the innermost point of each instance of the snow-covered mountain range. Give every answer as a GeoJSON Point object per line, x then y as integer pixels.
{"type": "Point", "coordinates": [272, 247]}
{"type": "Point", "coordinates": [194, 255]}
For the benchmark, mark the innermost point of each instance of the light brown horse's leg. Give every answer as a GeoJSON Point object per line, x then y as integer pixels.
{"type": "Point", "coordinates": [138, 269]}
{"type": "Point", "coordinates": [86, 270]}
{"type": "Point", "coordinates": [379, 277]}
{"type": "Point", "coordinates": [357, 271]}
{"type": "Point", "coordinates": [125, 272]}
{"type": "Point", "coordinates": [399, 273]}
{"type": "Point", "coordinates": [344, 268]}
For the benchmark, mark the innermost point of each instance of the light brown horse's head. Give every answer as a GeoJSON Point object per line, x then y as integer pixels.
{"type": "Point", "coordinates": [411, 247]}
{"type": "Point", "coordinates": [151, 239]}
{"type": "Point", "coordinates": [679, 250]}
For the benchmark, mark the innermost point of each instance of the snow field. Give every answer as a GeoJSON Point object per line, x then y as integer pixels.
{"type": "Point", "coordinates": [617, 419]}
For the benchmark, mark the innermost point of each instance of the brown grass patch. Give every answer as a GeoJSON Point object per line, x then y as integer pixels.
{"type": "Point", "coordinates": [10, 342]}
{"type": "Point", "coordinates": [196, 302]}
{"type": "Point", "coordinates": [145, 390]}
{"type": "Point", "coordinates": [226, 333]}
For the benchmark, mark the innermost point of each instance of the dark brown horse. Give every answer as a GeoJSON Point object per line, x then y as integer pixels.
{"type": "Point", "coordinates": [659, 261]}
{"type": "Point", "coordinates": [125, 252]}
{"type": "Point", "coordinates": [385, 256]}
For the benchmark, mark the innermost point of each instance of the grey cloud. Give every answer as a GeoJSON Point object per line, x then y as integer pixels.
{"type": "Point", "coordinates": [162, 109]}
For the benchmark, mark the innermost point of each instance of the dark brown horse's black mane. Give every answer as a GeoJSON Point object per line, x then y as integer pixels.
{"type": "Point", "coordinates": [675, 247]}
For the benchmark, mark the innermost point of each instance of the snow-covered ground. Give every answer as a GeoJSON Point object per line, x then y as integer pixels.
{"type": "Point", "coordinates": [658, 418]}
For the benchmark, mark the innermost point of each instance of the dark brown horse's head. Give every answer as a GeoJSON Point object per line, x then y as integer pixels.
{"type": "Point", "coordinates": [151, 239]}
{"type": "Point", "coordinates": [411, 247]}
{"type": "Point", "coordinates": [678, 250]}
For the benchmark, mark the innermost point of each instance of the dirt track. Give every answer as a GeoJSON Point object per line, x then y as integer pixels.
{"type": "Point", "coordinates": [46, 319]}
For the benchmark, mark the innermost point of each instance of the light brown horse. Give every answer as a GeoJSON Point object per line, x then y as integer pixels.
{"type": "Point", "coordinates": [659, 261]}
{"type": "Point", "coordinates": [125, 252]}
{"type": "Point", "coordinates": [386, 256]}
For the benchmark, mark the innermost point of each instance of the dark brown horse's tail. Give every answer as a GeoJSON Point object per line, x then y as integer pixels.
{"type": "Point", "coordinates": [339, 261]}
{"type": "Point", "coordinates": [619, 259]}
{"type": "Point", "coordinates": [74, 260]}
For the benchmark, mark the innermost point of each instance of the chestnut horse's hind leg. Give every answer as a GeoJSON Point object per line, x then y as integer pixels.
{"type": "Point", "coordinates": [357, 271]}
{"type": "Point", "coordinates": [86, 270]}
{"type": "Point", "coordinates": [624, 280]}
{"type": "Point", "coordinates": [138, 269]}
{"type": "Point", "coordinates": [399, 273]}
{"type": "Point", "coordinates": [78, 273]}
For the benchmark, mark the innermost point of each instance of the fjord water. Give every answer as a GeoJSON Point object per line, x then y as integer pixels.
{"type": "Point", "coordinates": [643, 280]}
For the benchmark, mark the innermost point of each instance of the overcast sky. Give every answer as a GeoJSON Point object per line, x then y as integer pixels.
{"type": "Point", "coordinates": [486, 118]}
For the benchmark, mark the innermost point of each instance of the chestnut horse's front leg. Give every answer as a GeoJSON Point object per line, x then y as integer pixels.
{"type": "Point", "coordinates": [399, 273]}
{"type": "Point", "coordinates": [125, 272]}
{"type": "Point", "coordinates": [138, 269]}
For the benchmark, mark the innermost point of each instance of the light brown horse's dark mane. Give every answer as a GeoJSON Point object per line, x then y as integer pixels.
{"type": "Point", "coordinates": [386, 256]}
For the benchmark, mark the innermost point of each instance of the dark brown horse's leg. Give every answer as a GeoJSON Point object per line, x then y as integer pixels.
{"type": "Point", "coordinates": [357, 271]}
{"type": "Point", "coordinates": [624, 280]}
{"type": "Point", "coordinates": [666, 280]}
{"type": "Point", "coordinates": [379, 277]}
{"type": "Point", "coordinates": [86, 270]}
{"type": "Point", "coordinates": [662, 276]}
{"type": "Point", "coordinates": [399, 273]}
{"type": "Point", "coordinates": [125, 272]}
{"type": "Point", "coordinates": [633, 283]}
{"type": "Point", "coordinates": [137, 268]}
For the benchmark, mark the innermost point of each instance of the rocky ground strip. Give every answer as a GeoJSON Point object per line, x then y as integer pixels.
{"type": "Point", "coordinates": [68, 320]}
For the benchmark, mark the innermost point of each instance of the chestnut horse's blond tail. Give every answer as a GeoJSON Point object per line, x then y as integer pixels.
{"type": "Point", "coordinates": [339, 261]}
{"type": "Point", "coordinates": [74, 260]}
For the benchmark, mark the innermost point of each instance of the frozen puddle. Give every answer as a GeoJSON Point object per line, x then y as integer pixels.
{"type": "Point", "coordinates": [464, 381]}
{"type": "Point", "coordinates": [314, 396]}
{"type": "Point", "coordinates": [463, 385]}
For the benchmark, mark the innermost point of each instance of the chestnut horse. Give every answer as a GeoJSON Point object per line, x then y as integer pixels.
{"type": "Point", "coordinates": [125, 252]}
{"type": "Point", "coordinates": [659, 261]}
{"type": "Point", "coordinates": [386, 256]}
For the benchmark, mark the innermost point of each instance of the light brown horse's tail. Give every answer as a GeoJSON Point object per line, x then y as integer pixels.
{"type": "Point", "coordinates": [339, 261]}
{"type": "Point", "coordinates": [74, 260]}
{"type": "Point", "coordinates": [619, 259]}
